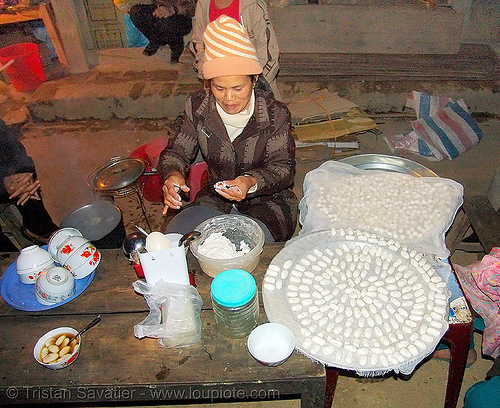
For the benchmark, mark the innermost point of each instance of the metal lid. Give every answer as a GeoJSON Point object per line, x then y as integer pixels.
{"type": "Point", "coordinates": [118, 174]}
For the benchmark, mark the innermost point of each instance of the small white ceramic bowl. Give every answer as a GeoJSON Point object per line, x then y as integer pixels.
{"type": "Point", "coordinates": [83, 261]}
{"type": "Point", "coordinates": [29, 277]}
{"type": "Point", "coordinates": [69, 247]}
{"type": "Point", "coordinates": [54, 286]}
{"type": "Point", "coordinates": [271, 344]}
{"type": "Point", "coordinates": [58, 237]}
{"type": "Point", "coordinates": [31, 262]}
{"type": "Point", "coordinates": [68, 358]}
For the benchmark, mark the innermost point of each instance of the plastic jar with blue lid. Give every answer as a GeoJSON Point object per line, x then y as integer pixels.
{"type": "Point", "coordinates": [235, 301]}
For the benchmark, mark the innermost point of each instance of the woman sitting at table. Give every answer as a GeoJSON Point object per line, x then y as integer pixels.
{"type": "Point", "coordinates": [242, 133]}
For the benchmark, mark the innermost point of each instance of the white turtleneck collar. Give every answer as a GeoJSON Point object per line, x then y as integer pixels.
{"type": "Point", "coordinates": [235, 123]}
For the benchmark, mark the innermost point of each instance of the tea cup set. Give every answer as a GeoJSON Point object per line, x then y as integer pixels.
{"type": "Point", "coordinates": [53, 271]}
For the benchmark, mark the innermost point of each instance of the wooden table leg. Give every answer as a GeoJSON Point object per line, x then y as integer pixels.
{"type": "Point", "coordinates": [332, 375]}
{"type": "Point", "coordinates": [458, 337]}
{"type": "Point", "coordinates": [312, 393]}
{"type": "Point", "coordinates": [47, 16]}
{"type": "Point", "coordinates": [457, 231]}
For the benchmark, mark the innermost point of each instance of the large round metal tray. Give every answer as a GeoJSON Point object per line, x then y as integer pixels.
{"type": "Point", "coordinates": [389, 163]}
{"type": "Point", "coordinates": [95, 220]}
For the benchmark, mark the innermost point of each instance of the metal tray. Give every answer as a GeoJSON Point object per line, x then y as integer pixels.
{"type": "Point", "coordinates": [388, 163]}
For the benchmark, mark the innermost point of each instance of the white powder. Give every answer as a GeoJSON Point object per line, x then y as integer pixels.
{"type": "Point", "coordinates": [217, 246]}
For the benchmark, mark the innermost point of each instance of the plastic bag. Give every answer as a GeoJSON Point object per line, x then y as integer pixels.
{"type": "Point", "coordinates": [318, 212]}
{"type": "Point", "coordinates": [174, 313]}
{"type": "Point", "coordinates": [443, 129]}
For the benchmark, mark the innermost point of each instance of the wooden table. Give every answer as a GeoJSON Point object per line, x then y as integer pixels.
{"type": "Point", "coordinates": [114, 366]}
{"type": "Point", "coordinates": [42, 12]}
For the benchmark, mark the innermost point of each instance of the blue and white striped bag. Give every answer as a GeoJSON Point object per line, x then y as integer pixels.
{"type": "Point", "coordinates": [443, 129]}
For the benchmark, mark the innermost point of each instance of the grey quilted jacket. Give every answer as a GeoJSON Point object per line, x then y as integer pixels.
{"type": "Point", "coordinates": [265, 149]}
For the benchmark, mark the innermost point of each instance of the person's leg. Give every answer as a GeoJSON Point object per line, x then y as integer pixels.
{"type": "Point", "coordinates": [175, 28]}
{"type": "Point", "coordinates": [483, 394]}
{"type": "Point", "coordinates": [189, 218]}
{"type": "Point", "coordinates": [36, 219]}
{"type": "Point", "coordinates": [443, 352]}
{"type": "Point", "coordinates": [5, 243]}
{"type": "Point", "coordinates": [135, 38]}
{"type": "Point", "coordinates": [142, 17]}
{"type": "Point", "coordinates": [176, 49]}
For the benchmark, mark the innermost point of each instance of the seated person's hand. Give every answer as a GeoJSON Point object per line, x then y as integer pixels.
{"type": "Point", "coordinates": [237, 189]}
{"type": "Point", "coordinates": [171, 187]}
{"type": "Point", "coordinates": [164, 11]}
{"type": "Point", "coordinates": [23, 186]}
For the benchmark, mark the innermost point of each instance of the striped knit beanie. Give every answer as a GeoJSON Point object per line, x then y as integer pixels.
{"type": "Point", "coordinates": [228, 50]}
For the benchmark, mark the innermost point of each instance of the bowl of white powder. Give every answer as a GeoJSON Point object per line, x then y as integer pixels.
{"type": "Point", "coordinates": [228, 242]}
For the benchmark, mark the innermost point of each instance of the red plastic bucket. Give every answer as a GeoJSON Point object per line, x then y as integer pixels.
{"type": "Point", "coordinates": [26, 73]}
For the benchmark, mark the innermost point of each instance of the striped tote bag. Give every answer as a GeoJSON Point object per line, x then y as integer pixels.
{"type": "Point", "coordinates": [444, 128]}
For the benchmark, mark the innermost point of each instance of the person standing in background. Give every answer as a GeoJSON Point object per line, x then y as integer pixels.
{"type": "Point", "coordinates": [164, 22]}
{"type": "Point", "coordinates": [251, 14]}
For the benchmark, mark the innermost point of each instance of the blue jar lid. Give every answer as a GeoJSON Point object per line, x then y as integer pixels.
{"type": "Point", "coordinates": [233, 288]}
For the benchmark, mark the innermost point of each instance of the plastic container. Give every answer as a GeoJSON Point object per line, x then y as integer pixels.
{"type": "Point", "coordinates": [235, 301]}
{"type": "Point", "coordinates": [26, 73]}
{"type": "Point", "coordinates": [236, 228]}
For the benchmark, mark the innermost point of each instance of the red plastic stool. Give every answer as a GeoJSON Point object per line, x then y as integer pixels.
{"type": "Point", "coordinates": [151, 184]}
{"type": "Point", "coordinates": [196, 179]}
{"type": "Point", "coordinates": [154, 149]}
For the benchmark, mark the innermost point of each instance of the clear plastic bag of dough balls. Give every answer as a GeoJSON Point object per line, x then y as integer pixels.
{"type": "Point", "coordinates": [416, 211]}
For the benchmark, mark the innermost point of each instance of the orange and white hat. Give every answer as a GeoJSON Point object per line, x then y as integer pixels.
{"type": "Point", "coordinates": [228, 50]}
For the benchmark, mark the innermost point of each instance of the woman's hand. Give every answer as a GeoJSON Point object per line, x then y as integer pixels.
{"type": "Point", "coordinates": [237, 189]}
{"type": "Point", "coordinates": [23, 186]}
{"type": "Point", "coordinates": [164, 11]}
{"type": "Point", "coordinates": [171, 187]}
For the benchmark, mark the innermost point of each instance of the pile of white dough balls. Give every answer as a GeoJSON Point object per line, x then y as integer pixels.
{"type": "Point", "coordinates": [361, 302]}
{"type": "Point", "coordinates": [395, 205]}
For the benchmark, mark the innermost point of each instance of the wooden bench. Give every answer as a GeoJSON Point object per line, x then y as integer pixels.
{"type": "Point", "coordinates": [476, 213]}
{"type": "Point", "coordinates": [11, 222]}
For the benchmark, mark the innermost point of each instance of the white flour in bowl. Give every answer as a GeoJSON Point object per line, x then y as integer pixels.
{"type": "Point", "coordinates": [217, 246]}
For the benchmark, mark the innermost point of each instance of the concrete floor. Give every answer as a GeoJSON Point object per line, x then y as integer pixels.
{"type": "Point", "coordinates": [66, 153]}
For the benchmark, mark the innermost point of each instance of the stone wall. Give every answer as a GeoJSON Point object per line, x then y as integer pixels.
{"type": "Point", "coordinates": [366, 29]}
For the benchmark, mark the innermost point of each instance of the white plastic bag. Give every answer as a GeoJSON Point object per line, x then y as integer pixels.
{"type": "Point", "coordinates": [174, 313]}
